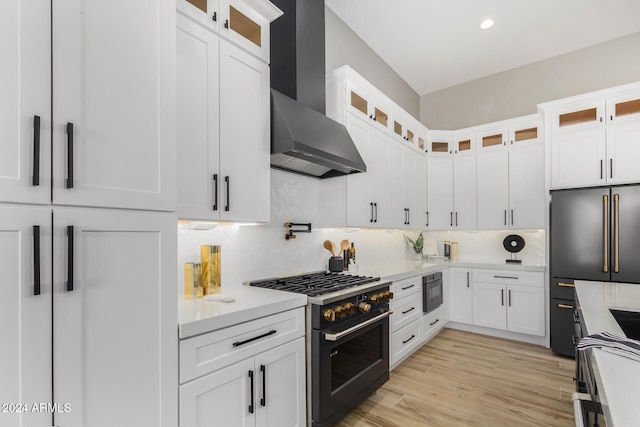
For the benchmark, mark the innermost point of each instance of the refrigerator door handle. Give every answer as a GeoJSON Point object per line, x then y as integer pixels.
{"type": "Point", "coordinates": [616, 211]}
{"type": "Point", "coordinates": [605, 252]}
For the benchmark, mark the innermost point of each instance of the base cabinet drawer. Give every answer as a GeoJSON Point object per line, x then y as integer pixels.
{"type": "Point", "coordinates": [405, 341]}
{"type": "Point", "coordinates": [405, 311]}
{"type": "Point", "coordinates": [432, 323]}
{"type": "Point", "coordinates": [405, 287]}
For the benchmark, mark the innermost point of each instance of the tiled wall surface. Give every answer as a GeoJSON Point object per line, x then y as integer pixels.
{"type": "Point", "coordinates": [256, 252]}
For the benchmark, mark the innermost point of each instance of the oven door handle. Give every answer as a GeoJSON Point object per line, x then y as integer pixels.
{"type": "Point", "coordinates": [339, 335]}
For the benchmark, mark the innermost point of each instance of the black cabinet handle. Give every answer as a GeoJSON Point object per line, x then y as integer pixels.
{"type": "Point", "coordinates": [69, 155]}
{"type": "Point", "coordinates": [600, 169]}
{"type": "Point", "coordinates": [456, 219]}
{"type": "Point", "coordinates": [406, 341]}
{"type": "Point", "coordinates": [35, 180]}
{"type": "Point", "coordinates": [36, 260]}
{"type": "Point", "coordinates": [509, 297]}
{"type": "Point", "coordinates": [511, 216]}
{"type": "Point", "coordinates": [467, 279]}
{"type": "Point", "coordinates": [69, 258]}
{"type": "Point", "coordinates": [263, 370]}
{"type": "Point", "coordinates": [502, 296]}
{"type": "Point", "coordinates": [371, 205]}
{"type": "Point", "coordinates": [506, 277]}
{"type": "Point", "coordinates": [251, 381]}
{"type": "Point", "coordinates": [407, 311]}
{"type": "Point", "coordinates": [375, 205]}
{"type": "Point", "coordinates": [215, 17]}
{"type": "Point", "coordinates": [226, 23]}
{"type": "Point", "coordinates": [239, 343]}
{"type": "Point", "coordinates": [451, 219]}
{"type": "Point", "coordinates": [215, 191]}
{"type": "Point", "coordinates": [408, 216]}
{"type": "Point", "coordinates": [427, 218]}
{"type": "Point", "coordinates": [407, 287]}
{"type": "Point", "coordinates": [226, 180]}
{"type": "Point", "coordinates": [505, 217]}
{"type": "Point", "coordinates": [434, 322]}
{"type": "Point", "coordinates": [611, 168]}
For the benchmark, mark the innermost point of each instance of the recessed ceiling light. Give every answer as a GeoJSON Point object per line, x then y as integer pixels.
{"type": "Point", "coordinates": [487, 23]}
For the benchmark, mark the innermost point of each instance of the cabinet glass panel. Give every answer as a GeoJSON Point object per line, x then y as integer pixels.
{"type": "Point", "coordinates": [421, 143]}
{"type": "Point", "coordinates": [440, 147]}
{"type": "Point", "coordinates": [491, 140]}
{"type": "Point", "coordinates": [409, 136]}
{"type": "Point", "coordinates": [200, 4]}
{"type": "Point", "coordinates": [526, 134]}
{"type": "Point", "coordinates": [464, 145]}
{"type": "Point", "coordinates": [382, 117]}
{"type": "Point", "coordinates": [629, 107]}
{"type": "Point", "coordinates": [359, 103]}
{"type": "Point", "coordinates": [245, 26]}
{"type": "Point", "coordinates": [397, 128]}
{"type": "Point", "coordinates": [577, 117]}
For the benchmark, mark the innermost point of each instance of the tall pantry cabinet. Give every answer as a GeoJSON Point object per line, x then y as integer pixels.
{"type": "Point", "coordinates": [87, 222]}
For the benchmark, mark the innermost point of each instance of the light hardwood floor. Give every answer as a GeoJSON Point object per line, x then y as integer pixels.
{"type": "Point", "coordinates": [465, 379]}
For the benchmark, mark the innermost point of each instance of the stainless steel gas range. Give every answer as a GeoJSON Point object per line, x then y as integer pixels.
{"type": "Point", "coordinates": [347, 330]}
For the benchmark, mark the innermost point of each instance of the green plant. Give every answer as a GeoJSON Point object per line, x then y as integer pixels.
{"type": "Point", "coordinates": [417, 244]}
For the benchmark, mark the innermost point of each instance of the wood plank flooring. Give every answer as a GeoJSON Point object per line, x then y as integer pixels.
{"type": "Point", "coordinates": [465, 379]}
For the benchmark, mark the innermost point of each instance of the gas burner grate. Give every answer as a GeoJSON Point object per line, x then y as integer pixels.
{"type": "Point", "coordinates": [314, 284]}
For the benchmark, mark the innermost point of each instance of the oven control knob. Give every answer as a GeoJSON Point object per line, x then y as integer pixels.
{"type": "Point", "coordinates": [388, 295]}
{"type": "Point", "coordinates": [364, 307]}
{"type": "Point", "coordinates": [350, 308]}
{"type": "Point", "coordinates": [329, 315]}
{"type": "Point", "coordinates": [340, 312]}
{"type": "Point", "coordinates": [375, 299]}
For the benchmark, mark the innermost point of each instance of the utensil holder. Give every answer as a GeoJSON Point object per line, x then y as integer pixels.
{"type": "Point", "coordinates": [192, 281]}
{"type": "Point", "coordinates": [210, 256]}
{"type": "Point", "coordinates": [336, 264]}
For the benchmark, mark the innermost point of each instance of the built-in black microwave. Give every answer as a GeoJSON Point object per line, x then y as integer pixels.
{"type": "Point", "coordinates": [431, 292]}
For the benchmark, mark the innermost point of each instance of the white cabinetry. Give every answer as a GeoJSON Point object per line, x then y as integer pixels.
{"type": "Point", "coordinates": [526, 187]}
{"type": "Point", "coordinates": [493, 189]}
{"type": "Point", "coordinates": [223, 126]}
{"type": "Point", "coordinates": [461, 301]}
{"type": "Point", "coordinates": [511, 300]}
{"type": "Point", "coordinates": [439, 192]}
{"type": "Point", "coordinates": [405, 322]}
{"type": "Point", "coordinates": [593, 138]}
{"type": "Point", "coordinates": [230, 377]}
{"type": "Point", "coordinates": [407, 170]}
{"type": "Point", "coordinates": [464, 192]}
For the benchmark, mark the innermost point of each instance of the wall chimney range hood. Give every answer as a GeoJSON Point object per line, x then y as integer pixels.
{"type": "Point", "coordinates": [303, 139]}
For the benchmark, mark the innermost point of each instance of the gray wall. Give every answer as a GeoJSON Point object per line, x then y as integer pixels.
{"type": "Point", "coordinates": [516, 92]}
{"type": "Point", "coordinates": [344, 47]}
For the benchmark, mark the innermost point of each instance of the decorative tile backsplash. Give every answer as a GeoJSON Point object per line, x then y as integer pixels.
{"type": "Point", "coordinates": [260, 251]}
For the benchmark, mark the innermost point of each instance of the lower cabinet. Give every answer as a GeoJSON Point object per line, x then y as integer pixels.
{"type": "Point", "coordinates": [262, 384]}
{"type": "Point", "coordinates": [432, 323]}
{"type": "Point", "coordinates": [509, 300]}
{"type": "Point", "coordinates": [461, 308]}
{"type": "Point", "coordinates": [404, 342]}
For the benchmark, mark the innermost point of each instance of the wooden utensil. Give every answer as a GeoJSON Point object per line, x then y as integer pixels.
{"type": "Point", "coordinates": [330, 246]}
{"type": "Point", "coordinates": [344, 245]}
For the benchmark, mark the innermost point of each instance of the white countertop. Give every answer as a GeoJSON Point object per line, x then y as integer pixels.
{"type": "Point", "coordinates": [405, 269]}
{"type": "Point", "coordinates": [199, 316]}
{"type": "Point", "coordinates": [616, 376]}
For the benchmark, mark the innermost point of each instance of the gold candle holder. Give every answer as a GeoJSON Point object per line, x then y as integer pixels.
{"type": "Point", "coordinates": [210, 257]}
{"type": "Point", "coordinates": [192, 280]}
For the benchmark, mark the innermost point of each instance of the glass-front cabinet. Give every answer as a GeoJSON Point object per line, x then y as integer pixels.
{"type": "Point", "coordinates": [623, 108]}
{"type": "Point", "coordinates": [576, 117]}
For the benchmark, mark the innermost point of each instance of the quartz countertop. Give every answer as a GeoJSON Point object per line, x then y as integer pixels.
{"type": "Point", "coordinates": [200, 316]}
{"type": "Point", "coordinates": [616, 376]}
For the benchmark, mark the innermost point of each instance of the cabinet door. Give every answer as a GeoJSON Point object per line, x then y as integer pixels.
{"type": "Point", "coordinates": [360, 210]}
{"type": "Point", "coordinates": [440, 192]}
{"type": "Point", "coordinates": [582, 116]}
{"type": "Point", "coordinates": [198, 121]}
{"type": "Point", "coordinates": [398, 178]}
{"type": "Point", "coordinates": [525, 312]}
{"type": "Point", "coordinates": [525, 134]}
{"type": "Point", "coordinates": [624, 108]}
{"type": "Point", "coordinates": [205, 12]}
{"type": "Point", "coordinates": [526, 187]}
{"type": "Point", "coordinates": [246, 24]}
{"type": "Point", "coordinates": [489, 305]}
{"type": "Point", "coordinates": [221, 398]}
{"type": "Point", "coordinates": [493, 186]}
{"type": "Point", "coordinates": [464, 192]}
{"type": "Point", "coordinates": [244, 135]}
{"type": "Point", "coordinates": [115, 318]}
{"type": "Point", "coordinates": [492, 139]}
{"type": "Point", "coordinates": [419, 218]}
{"type": "Point", "coordinates": [623, 152]}
{"type": "Point", "coordinates": [461, 302]}
{"type": "Point", "coordinates": [281, 392]}
{"type": "Point", "coordinates": [117, 89]}
{"type": "Point", "coordinates": [577, 158]}
{"type": "Point", "coordinates": [25, 315]}
{"type": "Point", "coordinates": [379, 182]}
{"type": "Point", "coordinates": [25, 85]}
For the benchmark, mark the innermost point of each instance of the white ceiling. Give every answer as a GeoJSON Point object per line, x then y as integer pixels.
{"type": "Point", "coordinates": [435, 44]}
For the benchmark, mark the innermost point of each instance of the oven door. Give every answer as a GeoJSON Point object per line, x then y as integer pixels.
{"type": "Point", "coordinates": [348, 364]}
{"type": "Point", "coordinates": [431, 293]}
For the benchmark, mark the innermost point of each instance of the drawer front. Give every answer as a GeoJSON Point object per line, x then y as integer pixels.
{"type": "Point", "coordinates": [405, 287]}
{"type": "Point", "coordinates": [432, 323]}
{"type": "Point", "coordinates": [405, 341]}
{"type": "Point", "coordinates": [405, 311]}
{"type": "Point", "coordinates": [209, 352]}
{"type": "Point", "coordinates": [509, 277]}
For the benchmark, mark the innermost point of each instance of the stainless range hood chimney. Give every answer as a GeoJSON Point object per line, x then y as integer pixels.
{"type": "Point", "coordinates": [303, 139]}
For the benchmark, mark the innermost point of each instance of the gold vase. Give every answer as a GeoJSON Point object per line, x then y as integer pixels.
{"type": "Point", "coordinates": [210, 257]}
{"type": "Point", "coordinates": [192, 280]}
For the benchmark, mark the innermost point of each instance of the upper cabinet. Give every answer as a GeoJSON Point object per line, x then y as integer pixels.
{"type": "Point", "coordinates": [222, 126]}
{"type": "Point", "coordinates": [514, 133]}
{"type": "Point", "coordinates": [243, 22]}
{"type": "Point", "coordinates": [593, 138]}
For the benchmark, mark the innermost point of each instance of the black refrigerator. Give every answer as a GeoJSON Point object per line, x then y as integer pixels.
{"type": "Point", "coordinates": [595, 235]}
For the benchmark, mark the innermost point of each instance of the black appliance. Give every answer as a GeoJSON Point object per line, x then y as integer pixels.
{"type": "Point", "coordinates": [431, 292]}
{"type": "Point", "coordinates": [595, 235]}
{"type": "Point", "coordinates": [303, 139]}
{"type": "Point", "coordinates": [348, 328]}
